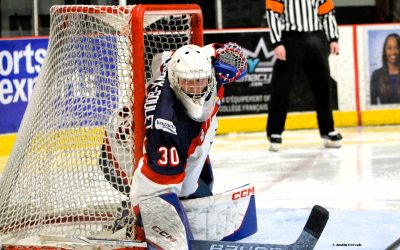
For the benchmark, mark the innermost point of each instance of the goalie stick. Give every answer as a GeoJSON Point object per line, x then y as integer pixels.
{"type": "Point", "coordinates": [394, 245]}
{"type": "Point", "coordinates": [307, 240]}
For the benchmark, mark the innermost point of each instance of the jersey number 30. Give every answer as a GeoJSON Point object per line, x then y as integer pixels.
{"type": "Point", "coordinates": [168, 156]}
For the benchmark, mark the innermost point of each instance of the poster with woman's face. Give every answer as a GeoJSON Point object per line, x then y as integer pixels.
{"type": "Point", "coordinates": [384, 66]}
{"type": "Point", "coordinates": [376, 39]}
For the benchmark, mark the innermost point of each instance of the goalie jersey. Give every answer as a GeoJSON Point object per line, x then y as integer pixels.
{"type": "Point", "coordinates": [175, 147]}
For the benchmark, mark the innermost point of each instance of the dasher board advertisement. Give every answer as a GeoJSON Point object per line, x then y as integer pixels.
{"type": "Point", "coordinates": [251, 94]}
{"type": "Point", "coordinates": [20, 63]}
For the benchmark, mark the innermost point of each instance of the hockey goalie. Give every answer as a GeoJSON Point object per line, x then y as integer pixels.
{"type": "Point", "coordinates": [171, 190]}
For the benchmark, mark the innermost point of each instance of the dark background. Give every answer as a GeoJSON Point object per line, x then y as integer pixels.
{"type": "Point", "coordinates": [236, 13]}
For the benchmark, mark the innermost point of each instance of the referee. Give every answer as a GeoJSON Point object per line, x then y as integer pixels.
{"type": "Point", "coordinates": [303, 33]}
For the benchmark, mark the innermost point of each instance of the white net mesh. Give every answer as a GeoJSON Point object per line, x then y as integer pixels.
{"type": "Point", "coordinates": [69, 171]}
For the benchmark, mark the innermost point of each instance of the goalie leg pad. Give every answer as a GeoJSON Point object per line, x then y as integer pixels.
{"type": "Point", "coordinates": [165, 223]}
{"type": "Point", "coordinates": [227, 216]}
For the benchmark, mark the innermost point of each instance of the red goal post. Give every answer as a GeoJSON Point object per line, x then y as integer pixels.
{"type": "Point", "coordinates": [138, 14]}
{"type": "Point", "coordinates": [63, 176]}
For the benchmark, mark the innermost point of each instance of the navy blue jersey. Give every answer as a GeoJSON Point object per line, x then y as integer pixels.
{"type": "Point", "coordinates": [169, 130]}
{"type": "Point", "coordinates": [175, 146]}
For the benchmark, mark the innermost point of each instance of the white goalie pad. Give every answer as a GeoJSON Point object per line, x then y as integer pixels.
{"type": "Point", "coordinates": [165, 222]}
{"type": "Point", "coordinates": [227, 216]}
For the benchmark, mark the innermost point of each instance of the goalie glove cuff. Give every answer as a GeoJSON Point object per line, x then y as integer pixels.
{"type": "Point", "coordinates": [225, 73]}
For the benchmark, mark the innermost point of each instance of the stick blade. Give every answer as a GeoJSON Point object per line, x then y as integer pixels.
{"type": "Point", "coordinates": [317, 221]}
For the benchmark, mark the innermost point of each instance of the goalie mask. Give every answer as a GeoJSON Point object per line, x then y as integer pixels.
{"type": "Point", "coordinates": [192, 78]}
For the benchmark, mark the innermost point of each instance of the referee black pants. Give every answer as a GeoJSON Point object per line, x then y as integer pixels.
{"type": "Point", "coordinates": [308, 51]}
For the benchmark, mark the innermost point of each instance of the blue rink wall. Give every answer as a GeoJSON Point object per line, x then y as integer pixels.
{"type": "Point", "coordinates": [245, 106]}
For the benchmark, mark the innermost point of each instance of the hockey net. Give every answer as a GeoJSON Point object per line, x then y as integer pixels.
{"type": "Point", "coordinates": [65, 175]}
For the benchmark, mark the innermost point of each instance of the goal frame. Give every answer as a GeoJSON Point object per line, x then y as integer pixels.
{"type": "Point", "coordinates": [138, 71]}
{"type": "Point", "coordinates": [137, 15]}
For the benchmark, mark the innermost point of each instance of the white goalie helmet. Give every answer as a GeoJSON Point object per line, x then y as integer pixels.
{"type": "Point", "coordinates": [192, 78]}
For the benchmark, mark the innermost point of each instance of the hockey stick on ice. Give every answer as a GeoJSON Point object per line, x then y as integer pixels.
{"type": "Point", "coordinates": [394, 245]}
{"type": "Point", "coordinates": [307, 240]}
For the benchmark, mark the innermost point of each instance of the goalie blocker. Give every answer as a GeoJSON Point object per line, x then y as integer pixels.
{"type": "Point", "coordinates": [170, 223]}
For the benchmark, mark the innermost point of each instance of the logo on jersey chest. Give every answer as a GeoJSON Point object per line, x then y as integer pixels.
{"type": "Point", "coordinates": [165, 125]}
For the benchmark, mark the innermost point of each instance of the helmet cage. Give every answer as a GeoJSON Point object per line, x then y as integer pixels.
{"type": "Point", "coordinates": [192, 78]}
{"type": "Point", "coordinates": [195, 86]}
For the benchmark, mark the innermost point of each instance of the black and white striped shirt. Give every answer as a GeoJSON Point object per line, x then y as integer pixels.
{"type": "Point", "coordinates": [301, 16]}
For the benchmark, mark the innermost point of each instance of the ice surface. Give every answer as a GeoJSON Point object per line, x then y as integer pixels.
{"type": "Point", "coordinates": [359, 184]}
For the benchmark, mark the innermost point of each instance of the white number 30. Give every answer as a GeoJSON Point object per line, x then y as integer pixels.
{"type": "Point", "coordinates": [168, 156]}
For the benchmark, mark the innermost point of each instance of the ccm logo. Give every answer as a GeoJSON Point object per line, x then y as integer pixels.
{"type": "Point", "coordinates": [163, 233]}
{"type": "Point", "coordinates": [243, 193]}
